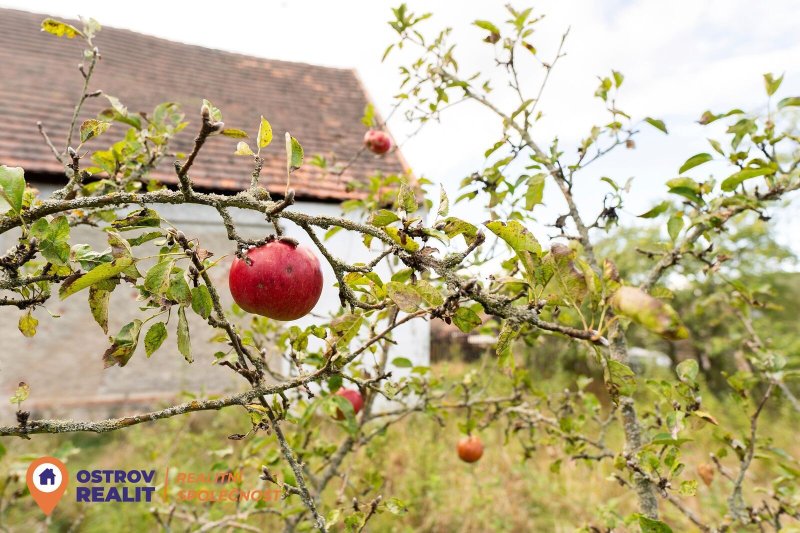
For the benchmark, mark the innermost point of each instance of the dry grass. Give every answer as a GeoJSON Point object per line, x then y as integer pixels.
{"type": "Point", "coordinates": [419, 465]}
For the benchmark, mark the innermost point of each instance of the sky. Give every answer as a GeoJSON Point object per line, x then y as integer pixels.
{"type": "Point", "coordinates": [679, 58]}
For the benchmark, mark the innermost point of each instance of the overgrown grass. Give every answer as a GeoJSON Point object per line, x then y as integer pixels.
{"type": "Point", "coordinates": [415, 461]}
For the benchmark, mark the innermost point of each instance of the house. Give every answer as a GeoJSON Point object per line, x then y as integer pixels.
{"type": "Point", "coordinates": [47, 477]}
{"type": "Point", "coordinates": [320, 106]}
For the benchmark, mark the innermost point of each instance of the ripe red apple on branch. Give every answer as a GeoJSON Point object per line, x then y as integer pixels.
{"type": "Point", "coordinates": [470, 448]}
{"type": "Point", "coordinates": [377, 141]}
{"type": "Point", "coordinates": [279, 280]}
{"type": "Point", "coordinates": [354, 397]}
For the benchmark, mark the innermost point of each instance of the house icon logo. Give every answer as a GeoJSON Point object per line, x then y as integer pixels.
{"type": "Point", "coordinates": [47, 479]}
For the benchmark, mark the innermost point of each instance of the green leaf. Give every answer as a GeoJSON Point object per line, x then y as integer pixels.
{"type": "Point", "coordinates": [657, 210]}
{"type": "Point", "coordinates": [694, 161]}
{"type": "Point", "coordinates": [792, 101]}
{"type": "Point", "coordinates": [12, 188]}
{"type": "Point", "coordinates": [21, 394]}
{"type": "Point", "coordinates": [99, 273]}
{"type": "Point", "coordinates": [684, 183]}
{"type": "Point", "coordinates": [368, 119]}
{"type": "Point", "coordinates": [214, 114]}
{"type": "Point", "coordinates": [504, 343]}
{"type": "Point", "coordinates": [294, 154]}
{"type": "Point", "coordinates": [651, 313]}
{"type": "Point", "coordinates": [466, 319]}
{"type": "Point", "coordinates": [234, 133]}
{"type": "Point", "coordinates": [346, 328]}
{"type": "Point", "coordinates": [649, 525]}
{"type": "Point", "coordinates": [688, 487]}
{"type": "Point", "coordinates": [396, 506]}
{"type": "Point", "coordinates": [657, 124]}
{"type": "Point", "coordinates": [383, 217]}
{"type": "Point", "coordinates": [453, 226]}
{"type": "Point", "coordinates": [60, 29]}
{"type": "Point", "coordinates": [92, 128]}
{"type": "Point", "coordinates": [98, 305]}
{"type": "Point", "coordinates": [402, 362]}
{"type": "Point", "coordinates": [155, 338]}
{"type": "Point", "coordinates": [406, 199]}
{"type": "Point", "coordinates": [27, 324]}
{"type": "Point", "coordinates": [141, 218]}
{"type": "Point", "coordinates": [178, 290]}
{"type": "Point", "coordinates": [621, 378]}
{"type": "Point", "coordinates": [771, 83]}
{"type": "Point", "coordinates": [535, 192]}
{"type": "Point", "coordinates": [156, 280]}
{"type": "Point", "coordinates": [486, 25]}
{"type": "Point", "coordinates": [444, 202]}
{"type": "Point", "coordinates": [515, 235]}
{"type": "Point", "coordinates": [53, 239]}
{"type": "Point", "coordinates": [123, 345]}
{"type": "Point", "coordinates": [404, 296]}
{"type": "Point", "coordinates": [338, 407]}
{"type": "Point", "coordinates": [265, 136]}
{"type": "Point", "coordinates": [687, 371]}
{"type": "Point", "coordinates": [201, 301]}
{"type": "Point", "coordinates": [674, 226]}
{"type": "Point", "coordinates": [618, 78]}
{"type": "Point", "coordinates": [184, 345]}
{"type": "Point", "coordinates": [429, 294]}
{"type": "Point", "coordinates": [734, 180]}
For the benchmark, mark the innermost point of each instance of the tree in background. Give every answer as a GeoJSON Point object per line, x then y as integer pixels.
{"type": "Point", "coordinates": [580, 291]}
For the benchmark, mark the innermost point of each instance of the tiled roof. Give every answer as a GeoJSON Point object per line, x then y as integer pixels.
{"type": "Point", "coordinates": [320, 106]}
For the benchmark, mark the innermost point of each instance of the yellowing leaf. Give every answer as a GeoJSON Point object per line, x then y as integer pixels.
{"type": "Point", "coordinates": [27, 324]}
{"type": "Point", "coordinates": [404, 296]}
{"type": "Point", "coordinates": [92, 128]}
{"type": "Point", "coordinates": [22, 393]}
{"type": "Point", "coordinates": [516, 235]}
{"type": "Point", "coordinates": [234, 133]}
{"type": "Point", "coordinates": [651, 313]}
{"type": "Point", "coordinates": [101, 272]}
{"type": "Point", "coordinates": [242, 148]}
{"type": "Point", "coordinates": [60, 29]}
{"type": "Point", "coordinates": [264, 133]}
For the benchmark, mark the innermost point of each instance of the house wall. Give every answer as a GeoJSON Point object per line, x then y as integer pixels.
{"type": "Point", "coordinates": [63, 362]}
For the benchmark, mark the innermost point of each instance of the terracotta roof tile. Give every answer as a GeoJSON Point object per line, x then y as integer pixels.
{"type": "Point", "coordinates": [320, 106]}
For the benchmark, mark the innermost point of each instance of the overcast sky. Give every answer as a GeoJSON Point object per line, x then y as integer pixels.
{"type": "Point", "coordinates": [679, 59]}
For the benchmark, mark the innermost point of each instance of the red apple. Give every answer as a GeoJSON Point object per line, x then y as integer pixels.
{"type": "Point", "coordinates": [377, 141]}
{"type": "Point", "coordinates": [470, 448]}
{"type": "Point", "coordinates": [282, 281]}
{"type": "Point", "coordinates": [354, 397]}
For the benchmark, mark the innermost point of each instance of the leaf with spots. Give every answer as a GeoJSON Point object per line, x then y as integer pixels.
{"type": "Point", "coordinates": [60, 29]}
{"type": "Point", "coordinates": [101, 272]}
{"type": "Point", "coordinates": [466, 319]}
{"type": "Point", "coordinates": [98, 304]}
{"type": "Point", "coordinates": [27, 324]}
{"type": "Point", "coordinates": [123, 345]}
{"type": "Point", "coordinates": [155, 338]}
{"type": "Point", "coordinates": [265, 134]}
